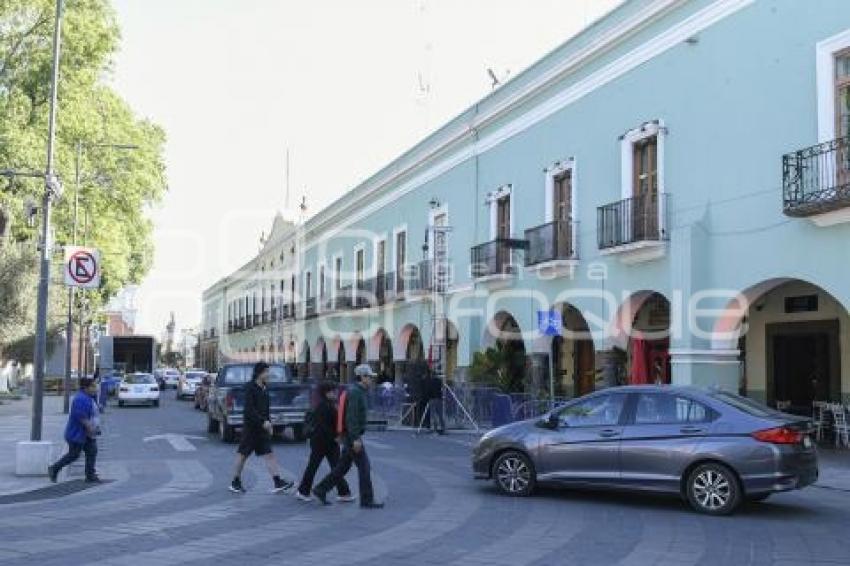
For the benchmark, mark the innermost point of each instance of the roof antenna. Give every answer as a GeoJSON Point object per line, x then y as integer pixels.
{"type": "Point", "coordinates": [495, 80]}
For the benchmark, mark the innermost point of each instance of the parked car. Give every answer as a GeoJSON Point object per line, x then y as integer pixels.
{"type": "Point", "coordinates": [202, 392]}
{"type": "Point", "coordinates": [713, 448]}
{"type": "Point", "coordinates": [138, 389]}
{"type": "Point", "coordinates": [289, 400]}
{"type": "Point", "coordinates": [171, 377]}
{"type": "Point", "coordinates": [188, 382]}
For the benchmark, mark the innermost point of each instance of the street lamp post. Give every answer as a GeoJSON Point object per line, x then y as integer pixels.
{"type": "Point", "coordinates": [51, 189]}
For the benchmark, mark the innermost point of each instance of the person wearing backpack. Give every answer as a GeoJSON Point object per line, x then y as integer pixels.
{"type": "Point", "coordinates": [320, 428]}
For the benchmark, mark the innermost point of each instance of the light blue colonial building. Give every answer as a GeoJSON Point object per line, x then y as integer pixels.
{"type": "Point", "coordinates": [666, 196]}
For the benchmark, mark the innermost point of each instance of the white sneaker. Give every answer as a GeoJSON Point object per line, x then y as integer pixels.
{"type": "Point", "coordinates": [346, 498]}
{"type": "Point", "coordinates": [301, 497]}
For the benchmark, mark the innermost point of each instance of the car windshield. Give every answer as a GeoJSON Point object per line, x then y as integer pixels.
{"type": "Point", "coordinates": [242, 374]}
{"type": "Point", "coordinates": [744, 404]}
{"type": "Point", "coordinates": [139, 378]}
{"type": "Point", "coordinates": [195, 375]}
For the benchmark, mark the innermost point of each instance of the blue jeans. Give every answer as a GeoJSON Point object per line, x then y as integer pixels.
{"type": "Point", "coordinates": [74, 449]}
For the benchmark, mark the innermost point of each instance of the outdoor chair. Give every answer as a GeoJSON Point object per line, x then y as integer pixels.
{"type": "Point", "coordinates": [842, 432]}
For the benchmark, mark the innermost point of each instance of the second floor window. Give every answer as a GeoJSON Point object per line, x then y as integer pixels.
{"type": "Point", "coordinates": [360, 267]}
{"type": "Point", "coordinates": [842, 94]}
{"type": "Point", "coordinates": [645, 165]}
{"type": "Point", "coordinates": [322, 282]}
{"type": "Point", "coordinates": [562, 196]}
{"type": "Point", "coordinates": [338, 274]}
{"type": "Point", "coordinates": [308, 284]}
{"type": "Point", "coordinates": [400, 259]}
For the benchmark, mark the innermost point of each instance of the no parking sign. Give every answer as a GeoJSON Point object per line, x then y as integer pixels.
{"type": "Point", "coordinates": [82, 267]}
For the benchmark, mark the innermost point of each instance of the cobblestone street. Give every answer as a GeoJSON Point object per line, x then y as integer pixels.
{"type": "Point", "coordinates": [169, 507]}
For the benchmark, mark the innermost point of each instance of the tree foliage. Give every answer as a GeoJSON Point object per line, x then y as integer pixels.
{"type": "Point", "coordinates": [117, 187]}
{"type": "Point", "coordinates": [500, 367]}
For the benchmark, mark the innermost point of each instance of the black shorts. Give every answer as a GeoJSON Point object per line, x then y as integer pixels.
{"type": "Point", "coordinates": [255, 441]}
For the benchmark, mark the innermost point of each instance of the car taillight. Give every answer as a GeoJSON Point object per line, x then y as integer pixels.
{"type": "Point", "coordinates": [125, 389]}
{"type": "Point", "coordinates": [779, 435]}
{"type": "Point", "coordinates": [154, 389]}
{"type": "Point", "coordinates": [228, 402]}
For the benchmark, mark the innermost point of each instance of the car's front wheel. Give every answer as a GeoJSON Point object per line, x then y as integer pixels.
{"type": "Point", "coordinates": [156, 403]}
{"type": "Point", "coordinates": [514, 475]}
{"type": "Point", "coordinates": [713, 489]}
{"type": "Point", "coordinates": [120, 403]}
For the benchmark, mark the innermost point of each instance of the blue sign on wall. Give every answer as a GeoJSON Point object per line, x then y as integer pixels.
{"type": "Point", "coordinates": [549, 323]}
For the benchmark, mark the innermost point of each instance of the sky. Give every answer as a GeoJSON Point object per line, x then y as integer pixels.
{"type": "Point", "coordinates": [344, 86]}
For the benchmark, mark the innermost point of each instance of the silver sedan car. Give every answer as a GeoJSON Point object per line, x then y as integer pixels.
{"type": "Point", "coordinates": [713, 448]}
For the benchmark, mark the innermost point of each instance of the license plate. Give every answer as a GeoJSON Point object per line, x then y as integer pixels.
{"type": "Point", "coordinates": [807, 441]}
{"type": "Point", "coordinates": [138, 390]}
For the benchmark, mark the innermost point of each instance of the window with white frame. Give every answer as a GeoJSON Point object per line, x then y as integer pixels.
{"type": "Point", "coordinates": [400, 256]}
{"type": "Point", "coordinates": [501, 213]}
{"type": "Point", "coordinates": [833, 87]}
{"type": "Point", "coordinates": [642, 181]}
{"type": "Point", "coordinates": [561, 230]}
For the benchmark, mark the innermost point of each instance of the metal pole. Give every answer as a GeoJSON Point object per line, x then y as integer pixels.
{"type": "Point", "coordinates": [69, 332]}
{"type": "Point", "coordinates": [44, 276]}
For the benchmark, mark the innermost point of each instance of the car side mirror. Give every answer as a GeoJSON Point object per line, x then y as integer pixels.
{"type": "Point", "coordinates": [550, 421]}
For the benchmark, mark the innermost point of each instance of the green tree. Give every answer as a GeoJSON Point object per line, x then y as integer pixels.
{"type": "Point", "coordinates": [118, 186]}
{"type": "Point", "coordinates": [497, 366]}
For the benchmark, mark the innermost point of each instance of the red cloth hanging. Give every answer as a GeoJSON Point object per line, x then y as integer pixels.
{"type": "Point", "coordinates": [639, 374]}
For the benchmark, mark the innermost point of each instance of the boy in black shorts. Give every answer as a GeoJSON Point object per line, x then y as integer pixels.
{"type": "Point", "coordinates": [257, 431]}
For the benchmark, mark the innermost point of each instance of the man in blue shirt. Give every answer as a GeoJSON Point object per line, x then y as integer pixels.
{"type": "Point", "coordinates": [80, 432]}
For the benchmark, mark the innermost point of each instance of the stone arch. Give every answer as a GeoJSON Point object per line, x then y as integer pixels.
{"type": "Point", "coordinates": [402, 346]}
{"type": "Point", "coordinates": [503, 332]}
{"type": "Point", "coordinates": [789, 337]}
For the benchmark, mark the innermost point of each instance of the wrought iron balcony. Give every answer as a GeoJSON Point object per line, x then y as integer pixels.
{"type": "Point", "coordinates": [552, 241]}
{"type": "Point", "coordinates": [342, 300]}
{"type": "Point", "coordinates": [817, 179]}
{"type": "Point", "coordinates": [310, 308]}
{"type": "Point", "coordinates": [632, 220]}
{"type": "Point", "coordinates": [495, 257]}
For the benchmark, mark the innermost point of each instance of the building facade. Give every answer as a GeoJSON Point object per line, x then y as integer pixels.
{"type": "Point", "coordinates": [665, 197]}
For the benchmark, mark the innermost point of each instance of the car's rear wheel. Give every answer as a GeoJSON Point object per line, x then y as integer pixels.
{"type": "Point", "coordinates": [156, 403]}
{"type": "Point", "coordinates": [713, 489]}
{"type": "Point", "coordinates": [514, 474]}
{"type": "Point", "coordinates": [120, 403]}
{"type": "Point", "coordinates": [226, 431]}
{"type": "Point", "coordinates": [298, 433]}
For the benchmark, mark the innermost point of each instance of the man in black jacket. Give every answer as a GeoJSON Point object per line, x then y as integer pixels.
{"type": "Point", "coordinates": [257, 431]}
{"type": "Point", "coordinates": [323, 445]}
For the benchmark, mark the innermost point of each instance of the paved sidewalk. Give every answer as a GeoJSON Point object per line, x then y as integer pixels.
{"type": "Point", "coordinates": [15, 417]}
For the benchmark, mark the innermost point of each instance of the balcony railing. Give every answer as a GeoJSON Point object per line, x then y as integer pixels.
{"type": "Point", "coordinates": [310, 308]}
{"type": "Point", "coordinates": [817, 179]}
{"type": "Point", "coordinates": [632, 220]}
{"type": "Point", "coordinates": [552, 241]}
{"type": "Point", "coordinates": [495, 257]}
{"type": "Point", "coordinates": [343, 299]}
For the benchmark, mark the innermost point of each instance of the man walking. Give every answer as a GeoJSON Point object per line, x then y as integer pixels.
{"type": "Point", "coordinates": [351, 425]}
{"type": "Point", "coordinates": [323, 445]}
{"type": "Point", "coordinates": [81, 432]}
{"type": "Point", "coordinates": [257, 431]}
